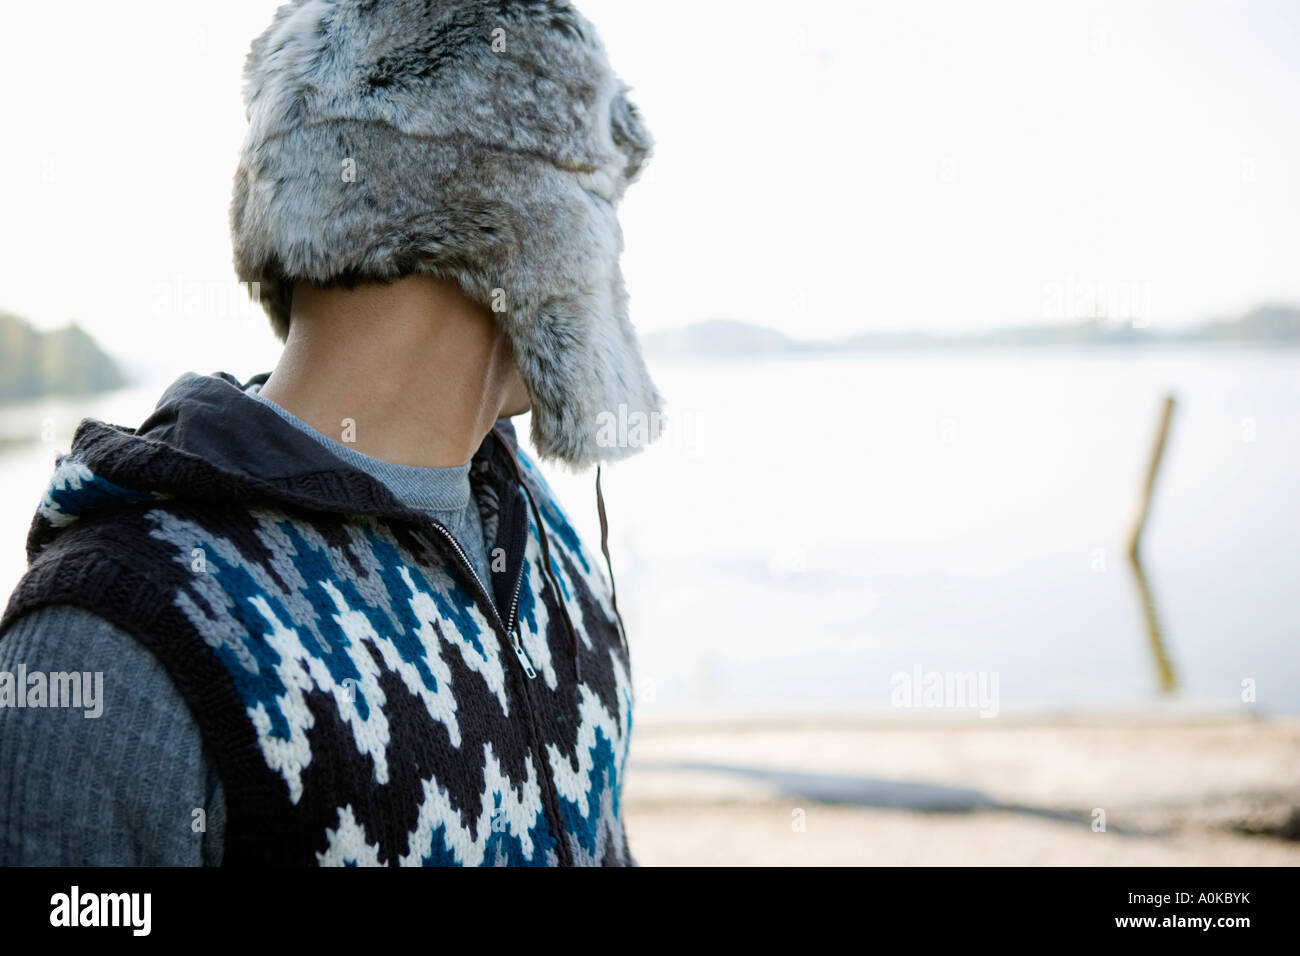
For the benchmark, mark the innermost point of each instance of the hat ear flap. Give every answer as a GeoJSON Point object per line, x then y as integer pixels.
{"type": "Point", "coordinates": [630, 134]}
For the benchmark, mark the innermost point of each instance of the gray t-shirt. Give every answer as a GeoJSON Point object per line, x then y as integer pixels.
{"type": "Point", "coordinates": [136, 785]}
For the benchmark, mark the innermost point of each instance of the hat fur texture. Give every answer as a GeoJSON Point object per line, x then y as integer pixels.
{"type": "Point", "coordinates": [486, 141]}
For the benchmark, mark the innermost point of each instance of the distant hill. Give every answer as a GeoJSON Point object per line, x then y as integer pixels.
{"type": "Point", "coordinates": [721, 337]}
{"type": "Point", "coordinates": [1266, 325]}
{"type": "Point", "coordinates": [64, 361]}
{"type": "Point", "coordinates": [1270, 323]}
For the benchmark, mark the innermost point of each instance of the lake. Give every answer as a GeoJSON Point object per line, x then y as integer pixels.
{"type": "Point", "coordinates": [813, 532]}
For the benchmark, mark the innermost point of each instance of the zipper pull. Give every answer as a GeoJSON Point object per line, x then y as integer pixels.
{"type": "Point", "coordinates": [523, 657]}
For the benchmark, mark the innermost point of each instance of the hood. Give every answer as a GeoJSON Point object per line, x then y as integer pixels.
{"type": "Point", "coordinates": [209, 443]}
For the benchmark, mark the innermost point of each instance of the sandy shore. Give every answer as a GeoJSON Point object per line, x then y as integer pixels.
{"type": "Point", "coordinates": [1174, 789]}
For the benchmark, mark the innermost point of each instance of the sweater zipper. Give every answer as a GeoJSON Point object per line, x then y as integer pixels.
{"type": "Point", "coordinates": [510, 629]}
{"type": "Point", "coordinates": [513, 624]}
{"type": "Point", "coordinates": [552, 797]}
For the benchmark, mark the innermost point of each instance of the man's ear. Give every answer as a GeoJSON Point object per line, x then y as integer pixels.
{"type": "Point", "coordinates": [517, 398]}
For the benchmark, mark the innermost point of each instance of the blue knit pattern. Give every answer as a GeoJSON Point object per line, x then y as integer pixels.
{"type": "Point", "coordinates": [380, 692]}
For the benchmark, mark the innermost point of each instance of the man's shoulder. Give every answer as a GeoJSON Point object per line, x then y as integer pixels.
{"type": "Point", "coordinates": [119, 562]}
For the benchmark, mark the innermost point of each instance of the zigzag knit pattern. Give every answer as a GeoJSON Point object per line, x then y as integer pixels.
{"type": "Point", "coordinates": [362, 698]}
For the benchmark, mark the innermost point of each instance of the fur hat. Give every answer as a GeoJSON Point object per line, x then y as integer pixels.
{"type": "Point", "coordinates": [486, 141]}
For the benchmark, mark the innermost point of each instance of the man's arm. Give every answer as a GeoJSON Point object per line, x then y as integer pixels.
{"type": "Point", "coordinates": [117, 789]}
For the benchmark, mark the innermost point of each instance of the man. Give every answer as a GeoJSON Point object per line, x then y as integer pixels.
{"type": "Point", "coordinates": [339, 615]}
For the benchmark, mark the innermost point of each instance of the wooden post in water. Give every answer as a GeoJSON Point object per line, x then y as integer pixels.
{"type": "Point", "coordinates": [1164, 667]}
{"type": "Point", "coordinates": [1157, 454]}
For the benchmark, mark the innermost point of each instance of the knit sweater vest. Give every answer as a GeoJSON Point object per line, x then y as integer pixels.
{"type": "Point", "coordinates": [366, 698]}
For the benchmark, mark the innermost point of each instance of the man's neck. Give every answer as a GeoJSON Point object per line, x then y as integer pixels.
{"type": "Point", "coordinates": [411, 373]}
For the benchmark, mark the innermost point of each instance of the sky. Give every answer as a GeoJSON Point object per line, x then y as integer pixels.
{"type": "Point", "coordinates": [824, 167]}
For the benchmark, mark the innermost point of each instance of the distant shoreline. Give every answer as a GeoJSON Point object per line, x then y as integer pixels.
{"type": "Point", "coordinates": [1179, 713]}
{"type": "Point", "coordinates": [1267, 327]}
{"type": "Point", "coordinates": [975, 351]}
{"type": "Point", "coordinates": [63, 362]}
